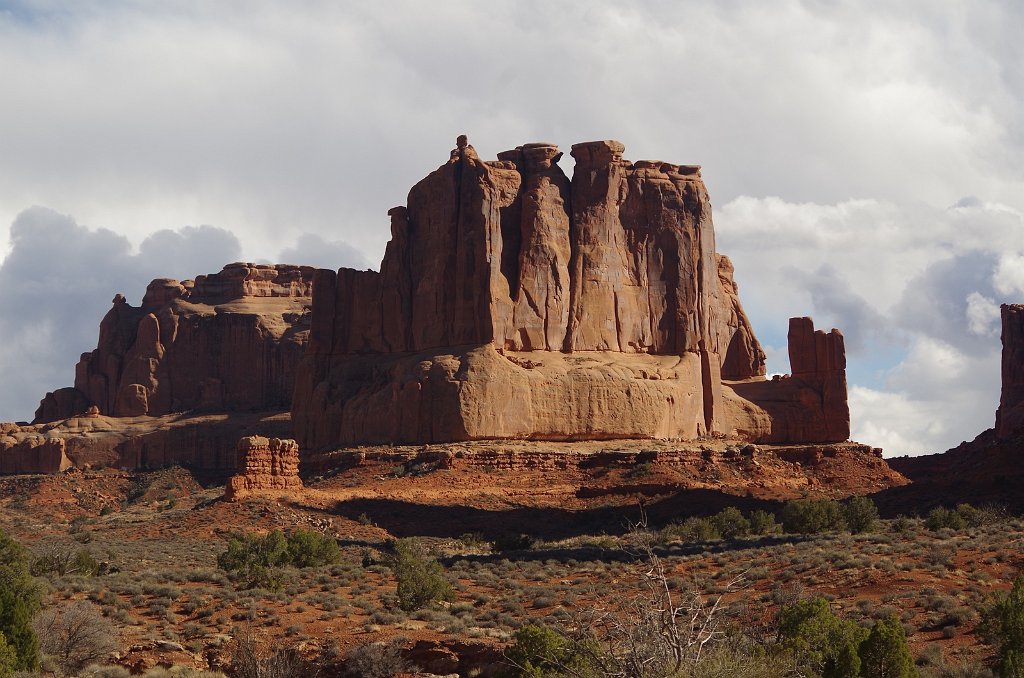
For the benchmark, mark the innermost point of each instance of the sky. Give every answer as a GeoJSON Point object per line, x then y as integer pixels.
{"type": "Point", "coordinates": [865, 159]}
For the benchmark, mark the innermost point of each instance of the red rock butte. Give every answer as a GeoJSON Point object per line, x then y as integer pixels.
{"type": "Point", "coordinates": [513, 302]}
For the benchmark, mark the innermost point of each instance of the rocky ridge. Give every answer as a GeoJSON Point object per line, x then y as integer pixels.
{"type": "Point", "coordinates": [200, 441]}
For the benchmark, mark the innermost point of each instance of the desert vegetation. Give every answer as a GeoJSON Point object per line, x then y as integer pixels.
{"type": "Point", "coordinates": [811, 587]}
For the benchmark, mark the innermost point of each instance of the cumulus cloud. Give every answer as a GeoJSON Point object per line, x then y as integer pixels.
{"type": "Point", "coordinates": [1009, 274]}
{"type": "Point", "coordinates": [916, 288]}
{"type": "Point", "coordinates": [982, 315]}
{"type": "Point", "coordinates": [273, 121]}
{"type": "Point", "coordinates": [312, 250]}
{"type": "Point", "coordinates": [58, 280]}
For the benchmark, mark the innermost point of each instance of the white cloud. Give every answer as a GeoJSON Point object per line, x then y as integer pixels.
{"type": "Point", "coordinates": [295, 126]}
{"type": "Point", "coordinates": [982, 315]}
{"type": "Point", "coordinates": [312, 250]}
{"type": "Point", "coordinates": [914, 288]}
{"type": "Point", "coordinates": [932, 401]}
{"type": "Point", "coordinates": [1009, 274]}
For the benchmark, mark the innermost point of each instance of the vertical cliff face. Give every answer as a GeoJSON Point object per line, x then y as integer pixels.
{"type": "Point", "coordinates": [1010, 415]}
{"type": "Point", "coordinates": [510, 252]}
{"type": "Point", "coordinates": [228, 341]}
{"type": "Point", "coordinates": [513, 302]}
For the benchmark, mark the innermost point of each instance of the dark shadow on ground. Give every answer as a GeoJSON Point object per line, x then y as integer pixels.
{"type": "Point", "coordinates": [406, 519]}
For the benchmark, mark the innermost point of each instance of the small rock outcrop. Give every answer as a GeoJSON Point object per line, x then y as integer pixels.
{"type": "Point", "coordinates": [229, 341]}
{"type": "Point", "coordinates": [1010, 415]}
{"type": "Point", "coordinates": [513, 302]}
{"type": "Point", "coordinates": [264, 465]}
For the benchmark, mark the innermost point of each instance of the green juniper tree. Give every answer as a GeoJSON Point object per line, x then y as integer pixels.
{"type": "Point", "coordinates": [885, 653]}
{"type": "Point", "coordinates": [19, 601]}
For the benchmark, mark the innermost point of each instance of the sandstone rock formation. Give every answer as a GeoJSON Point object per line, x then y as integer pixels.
{"type": "Point", "coordinates": [178, 379]}
{"type": "Point", "coordinates": [1010, 415]}
{"type": "Point", "coordinates": [264, 464]}
{"type": "Point", "coordinates": [229, 341]}
{"type": "Point", "coordinates": [513, 302]}
{"type": "Point", "coordinates": [808, 406]}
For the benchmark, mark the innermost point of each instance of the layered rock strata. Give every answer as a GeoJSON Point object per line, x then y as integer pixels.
{"type": "Point", "coordinates": [264, 464]}
{"type": "Point", "coordinates": [229, 341]}
{"type": "Point", "coordinates": [1010, 415]}
{"type": "Point", "coordinates": [512, 302]}
{"type": "Point", "coordinates": [202, 442]}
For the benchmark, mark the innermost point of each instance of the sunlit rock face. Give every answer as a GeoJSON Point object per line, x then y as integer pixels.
{"type": "Point", "coordinates": [513, 302]}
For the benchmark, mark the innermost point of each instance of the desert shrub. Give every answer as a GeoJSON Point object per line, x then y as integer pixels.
{"type": "Point", "coordinates": [762, 522]}
{"type": "Point", "coordinates": [255, 559]}
{"type": "Point", "coordinates": [74, 635]}
{"type": "Point", "coordinates": [1003, 623]}
{"type": "Point", "coordinates": [19, 600]}
{"type": "Point", "coordinates": [8, 658]}
{"type": "Point", "coordinates": [62, 562]}
{"type": "Point", "coordinates": [512, 542]}
{"type": "Point", "coordinates": [860, 514]}
{"type": "Point", "coordinates": [540, 652]}
{"type": "Point", "coordinates": [730, 523]}
{"type": "Point", "coordinates": [421, 579]}
{"type": "Point", "coordinates": [941, 517]}
{"type": "Point", "coordinates": [819, 641]}
{"type": "Point", "coordinates": [307, 548]}
{"type": "Point", "coordinates": [104, 671]}
{"type": "Point", "coordinates": [885, 654]}
{"type": "Point", "coordinates": [811, 516]}
{"type": "Point", "coordinates": [247, 661]}
{"type": "Point", "coordinates": [985, 515]}
{"type": "Point", "coordinates": [378, 660]}
{"type": "Point", "coordinates": [738, 660]}
{"type": "Point", "coordinates": [902, 525]}
{"type": "Point", "coordinates": [640, 470]}
{"type": "Point", "coordinates": [184, 672]}
{"type": "Point", "coordinates": [692, 529]}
